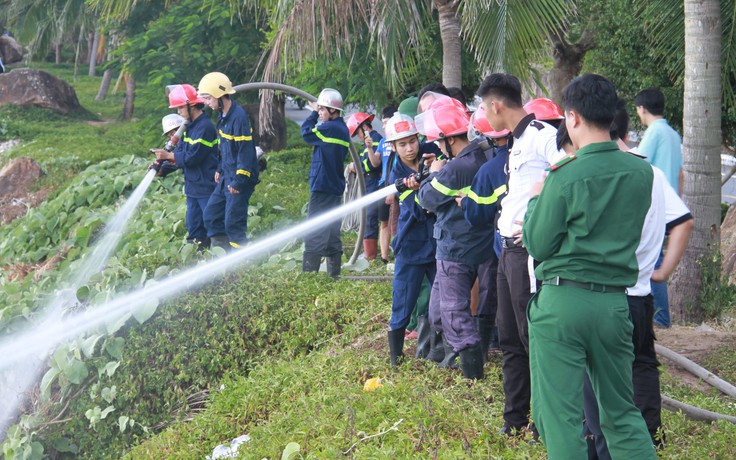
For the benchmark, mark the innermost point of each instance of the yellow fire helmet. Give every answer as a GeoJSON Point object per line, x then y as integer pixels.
{"type": "Point", "coordinates": [215, 84]}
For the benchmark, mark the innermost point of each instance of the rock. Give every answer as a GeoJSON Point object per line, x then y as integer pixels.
{"type": "Point", "coordinates": [268, 142]}
{"type": "Point", "coordinates": [10, 50]}
{"type": "Point", "coordinates": [728, 245]}
{"type": "Point", "coordinates": [705, 328]}
{"type": "Point", "coordinates": [34, 87]}
{"type": "Point", "coordinates": [18, 177]}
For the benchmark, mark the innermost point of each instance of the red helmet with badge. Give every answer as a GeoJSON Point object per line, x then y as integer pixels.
{"type": "Point", "coordinates": [445, 117]}
{"type": "Point", "coordinates": [544, 109]}
{"type": "Point", "coordinates": [357, 119]}
{"type": "Point", "coordinates": [182, 95]}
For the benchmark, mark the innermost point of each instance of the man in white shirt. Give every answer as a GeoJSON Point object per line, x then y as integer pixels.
{"type": "Point", "coordinates": [532, 149]}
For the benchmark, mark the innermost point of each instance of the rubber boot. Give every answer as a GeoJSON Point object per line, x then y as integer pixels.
{"type": "Point", "coordinates": [220, 241]}
{"type": "Point", "coordinates": [450, 359]}
{"type": "Point", "coordinates": [334, 265]}
{"type": "Point", "coordinates": [471, 362]}
{"type": "Point", "coordinates": [485, 330]}
{"type": "Point", "coordinates": [396, 346]}
{"type": "Point", "coordinates": [423, 336]}
{"type": "Point", "coordinates": [494, 345]}
{"type": "Point", "coordinates": [311, 262]}
{"type": "Point", "coordinates": [436, 348]}
{"type": "Point", "coordinates": [370, 248]}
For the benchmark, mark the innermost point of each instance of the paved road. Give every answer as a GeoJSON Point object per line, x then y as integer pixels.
{"type": "Point", "coordinates": [297, 115]}
{"type": "Point", "coordinates": [728, 191]}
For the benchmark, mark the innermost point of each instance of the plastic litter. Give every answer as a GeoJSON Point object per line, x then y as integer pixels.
{"type": "Point", "coordinates": [231, 451]}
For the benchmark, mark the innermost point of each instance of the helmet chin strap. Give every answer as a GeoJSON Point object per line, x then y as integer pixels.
{"type": "Point", "coordinates": [448, 148]}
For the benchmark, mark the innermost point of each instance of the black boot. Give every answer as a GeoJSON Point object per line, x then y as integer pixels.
{"type": "Point", "coordinates": [450, 359]}
{"type": "Point", "coordinates": [220, 241]}
{"type": "Point", "coordinates": [334, 265]}
{"type": "Point", "coordinates": [436, 347]}
{"type": "Point", "coordinates": [471, 361]}
{"type": "Point", "coordinates": [311, 262]}
{"type": "Point", "coordinates": [423, 333]}
{"type": "Point", "coordinates": [494, 345]}
{"type": "Point", "coordinates": [396, 346]}
{"type": "Point", "coordinates": [485, 330]}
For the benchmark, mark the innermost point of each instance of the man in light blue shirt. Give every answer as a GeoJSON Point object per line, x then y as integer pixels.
{"type": "Point", "coordinates": [662, 147]}
{"type": "Point", "coordinates": [661, 144]}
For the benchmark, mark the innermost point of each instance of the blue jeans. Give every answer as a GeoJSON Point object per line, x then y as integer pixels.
{"type": "Point", "coordinates": [661, 301]}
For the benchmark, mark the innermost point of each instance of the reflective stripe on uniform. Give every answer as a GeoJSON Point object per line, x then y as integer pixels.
{"type": "Point", "coordinates": [243, 172]}
{"type": "Point", "coordinates": [189, 140]}
{"type": "Point", "coordinates": [235, 245]}
{"type": "Point", "coordinates": [446, 190]}
{"type": "Point", "coordinates": [230, 137]}
{"type": "Point", "coordinates": [330, 140]}
{"type": "Point", "coordinates": [488, 199]}
{"type": "Point", "coordinates": [367, 166]}
{"type": "Point", "coordinates": [405, 195]}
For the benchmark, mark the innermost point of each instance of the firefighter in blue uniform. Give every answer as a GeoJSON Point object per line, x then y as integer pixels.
{"type": "Point", "coordinates": [196, 156]}
{"type": "Point", "coordinates": [481, 208]}
{"type": "Point", "coordinates": [331, 141]}
{"type": "Point", "coordinates": [226, 215]}
{"type": "Point", "coordinates": [462, 250]}
{"type": "Point", "coordinates": [359, 125]}
{"type": "Point", "coordinates": [414, 245]}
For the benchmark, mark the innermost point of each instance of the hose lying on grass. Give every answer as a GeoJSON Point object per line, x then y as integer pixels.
{"type": "Point", "coordinates": [698, 371]}
{"type": "Point", "coordinates": [693, 412]}
{"type": "Point", "coordinates": [689, 411]}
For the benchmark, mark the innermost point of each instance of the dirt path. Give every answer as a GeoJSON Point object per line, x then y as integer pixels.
{"type": "Point", "coordinates": [694, 343]}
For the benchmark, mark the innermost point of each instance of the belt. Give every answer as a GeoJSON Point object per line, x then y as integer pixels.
{"type": "Point", "coordinates": [508, 243]}
{"type": "Point", "coordinates": [557, 281]}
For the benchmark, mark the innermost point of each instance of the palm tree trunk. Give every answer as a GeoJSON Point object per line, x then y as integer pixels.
{"type": "Point", "coordinates": [567, 60]}
{"type": "Point", "coordinates": [129, 96]}
{"type": "Point", "coordinates": [452, 73]}
{"type": "Point", "coordinates": [93, 53]}
{"type": "Point", "coordinates": [104, 85]}
{"type": "Point", "coordinates": [57, 53]}
{"type": "Point", "coordinates": [701, 151]}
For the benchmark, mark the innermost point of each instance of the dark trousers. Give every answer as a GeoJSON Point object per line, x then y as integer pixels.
{"type": "Point", "coordinates": [195, 218]}
{"type": "Point", "coordinates": [449, 303]}
{"type": "Point", "coordinates": [408, 279]}
{"type": "Point", "coordinates": [371, 211]}
{"type": "Point", "coordinates": [325, 241]}
{"type": "Point", "coordinates": [226, 214]}
{"type": "Point", "coordinates": [514, 293]}
{"type": "Point", "coordinates": [645, 376]}
{"type": "Point", "coordinates": [487, 292]}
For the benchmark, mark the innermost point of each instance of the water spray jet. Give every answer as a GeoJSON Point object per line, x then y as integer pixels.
{"type": "Point", "coordinates": [20, 375]}
{"type": "Point", "coordinates": [40, 341]}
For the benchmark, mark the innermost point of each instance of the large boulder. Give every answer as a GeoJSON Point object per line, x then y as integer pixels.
{"type": "Point", "coordinates": [35, 87]}
{"type": "Point", "coordinates": [10, 50]}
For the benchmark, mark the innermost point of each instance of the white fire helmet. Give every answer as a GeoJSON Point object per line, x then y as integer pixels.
{"type": "Point", "coordinates": [171, 121]}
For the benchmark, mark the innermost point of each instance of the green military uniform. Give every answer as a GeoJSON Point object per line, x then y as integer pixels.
{"type": "Point", "coordinates": [585, 227]}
